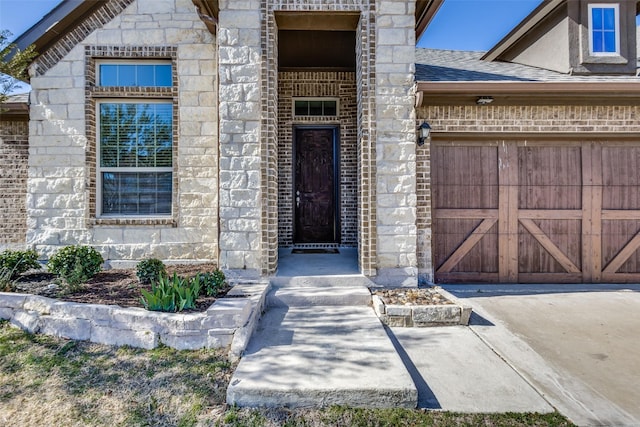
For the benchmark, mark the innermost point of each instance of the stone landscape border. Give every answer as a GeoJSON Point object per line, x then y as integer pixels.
{"type": "Point", "coordinates": [456, 313]}
{"type": "Point", "coordinates": [229, 321]}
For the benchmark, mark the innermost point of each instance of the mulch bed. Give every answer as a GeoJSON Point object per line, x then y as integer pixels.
{"type": "Point", "coordinates": [403, 296]}
{"type": "Point", "coordinates": [111, 287]}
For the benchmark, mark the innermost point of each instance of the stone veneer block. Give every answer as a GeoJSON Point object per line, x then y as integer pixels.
{"type": "Point", "coordinates": [95, 312]}
{"type": "Point", "coordinates": [217, 338]}
{"type": "Point", "coordinates": [119, 337]}
{"type": "Point", "coordinates": [227, 313]}
{"type": "Point", "coordinates": [398, 310]}
{"type": "Point", "coordinates": [11, 300]}
{"type": "Point", "coordinates": [185, 340]}
{"type": "Point", "coordinates": [42, 305]}
{"type": "Point", "coordinates": [136, 319]}
{"type": "Point", "coordinates": [428, 315]}
{"type": "Point", "coordinates": [27, 321]}
{"type": "Point", "coordinates": [75, 329]}
{"type": "Point", "coordinates": [6, 313]}
{"type": "Point", "coordinates": [378, 305]}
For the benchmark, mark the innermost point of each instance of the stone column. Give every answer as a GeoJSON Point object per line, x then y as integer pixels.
{"type": "Point", "coordinates": [396, 143]}
{"type": "Point", "coordinates": [240, 114]}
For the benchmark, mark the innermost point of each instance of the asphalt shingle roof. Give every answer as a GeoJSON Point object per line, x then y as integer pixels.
{"type": "Point", "coordinates": [466, 66]}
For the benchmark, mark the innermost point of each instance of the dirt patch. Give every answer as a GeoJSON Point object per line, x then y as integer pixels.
{"type": "Point", "coordinates": [421, 296]}
{"type": "Point", "coordinates": [111, 287]}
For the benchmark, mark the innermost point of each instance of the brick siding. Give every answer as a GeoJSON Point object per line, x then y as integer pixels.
{"type": "Point", "coordinates": [340, 85]}
{"type": "Point", "coordinates": [14, 153]}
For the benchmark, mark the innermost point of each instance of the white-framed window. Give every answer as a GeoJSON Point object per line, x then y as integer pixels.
{"type": "Point", "coordinates": [131, 73]}
{"type": "Point", "coordinates": [322, 107]}
{"type": "Point", "coordinates": [604, 29]}
{"type": "Point", "coordinates": [135, 158]}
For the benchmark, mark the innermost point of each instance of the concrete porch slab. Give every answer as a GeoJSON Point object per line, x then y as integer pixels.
{"type": "Point", "coordinates": [320, 356]}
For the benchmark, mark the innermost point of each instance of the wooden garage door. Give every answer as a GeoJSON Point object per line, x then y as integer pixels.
{"type": "Point", "coordinates": [536, 212]}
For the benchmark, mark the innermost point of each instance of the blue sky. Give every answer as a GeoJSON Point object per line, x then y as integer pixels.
{"type": "Point", "coordinates": [474, 24]}
{"type": "Point", "coordinates": [18, 16]}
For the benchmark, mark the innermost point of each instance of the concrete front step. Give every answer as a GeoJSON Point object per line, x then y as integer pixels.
{"type": "Point", "coordinates": [319, 291]}
{"type": "Point", "coordinates": [308, 297]}
{"type": "Point", "coordinates": [321, 356]}
{"type": "Point", "coordinates": [354, 280]}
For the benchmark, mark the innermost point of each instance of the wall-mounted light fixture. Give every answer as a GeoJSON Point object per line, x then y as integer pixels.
{"type": "Point", "coordinates": [424, 133]}
{"type": "Point", "coordinates": [484, 100]}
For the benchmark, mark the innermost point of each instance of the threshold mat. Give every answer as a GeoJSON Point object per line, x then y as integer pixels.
{"type": "Point", "coordinates": [316, 251]}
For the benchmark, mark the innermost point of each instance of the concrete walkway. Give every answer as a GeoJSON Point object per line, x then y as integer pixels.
{"type": "Point", "coordinates": [320, 343]}
{"type": "Point", "coordinates": [321, 356]}
{"type": "Point", "coordinates": [578, 345]}
{"type": "Point", "coordinates": [455, 371]}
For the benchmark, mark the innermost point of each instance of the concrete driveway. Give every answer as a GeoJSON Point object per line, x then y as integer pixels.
{"type": "Point", "coordinates": [578, 345]}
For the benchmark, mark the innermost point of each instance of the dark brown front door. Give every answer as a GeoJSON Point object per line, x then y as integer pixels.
{"type": "Point", "coordinates": [315, 188]}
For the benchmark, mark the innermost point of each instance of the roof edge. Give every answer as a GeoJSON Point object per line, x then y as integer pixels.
{"type": "Point", "coordinates": [425, 11]}
{"type": "Point", "coordinates": [55, 24]}
{"type": "Point", "coordinates": [208, 11]}
{"type": "Point", "coordinates": [561, 92]}
{"type": "Point", "coordinates": [533, 19]}
{"type": "Point", "coordinates": [559, 87]}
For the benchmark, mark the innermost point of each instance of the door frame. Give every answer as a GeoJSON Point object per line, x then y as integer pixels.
{"type": "Point", "coordinates": [335, 128]}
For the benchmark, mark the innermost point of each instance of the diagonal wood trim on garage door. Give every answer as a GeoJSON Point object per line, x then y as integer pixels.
{"type": "Point", "coordinates": [516, 211]}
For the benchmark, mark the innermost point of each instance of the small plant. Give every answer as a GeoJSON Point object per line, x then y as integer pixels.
{"type": "Point", "coordinates": [17, 262]}
{"type": "Point", "coordinates": [171, 294]}
{"type": "Point", "coordinates": [149, 270]}
{"type": "Point", "coordinates": [7, 284]}
{"type": "Point", "coordinates": [212, 282]}
{"type": "Point", "coordinates": [75, 265]}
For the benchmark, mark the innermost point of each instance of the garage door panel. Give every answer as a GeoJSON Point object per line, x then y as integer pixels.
{"type": "Point", "coordinates": [479, 256]}
{"type": "Point", "coordinates": [620, 166]}
{"type": "Point", "coordinates": [616, 237]}
{"type": "Point", "coordinates": [621, 197]}
{"type": "Point", "coordinates": [554, 247]}
{"type": "Point", "coordinates": [464, 177]}
{"type": "Point", "coordinates": [550, 177]}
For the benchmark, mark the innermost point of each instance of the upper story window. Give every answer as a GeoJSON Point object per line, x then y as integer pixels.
{"type": "Point", "coordinates": [132, 74]}
{"type": "Point", "coordinates": [315, 107]}
{"type": "Point", "coordinates": [604, 27]}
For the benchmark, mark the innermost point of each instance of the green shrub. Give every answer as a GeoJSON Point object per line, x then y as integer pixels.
{"type": "Point", "coordinates": [149, 270]}
{"type": "Point", "coordinates": [171, 294]}
{"type": "Point", "coordinates": [212, 282]}
{"type": "Point", "coordinates": [14, 263]}
{"type": "Point", "coordinates": [75, 265]}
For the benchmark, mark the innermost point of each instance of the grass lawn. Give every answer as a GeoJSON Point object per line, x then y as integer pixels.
{"type": "Point", "coordinates": [47, 381]}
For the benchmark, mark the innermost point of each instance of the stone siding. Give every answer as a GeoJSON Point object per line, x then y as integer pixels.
{"type": "Point", "coordinates": [14, 154]}
{"type": "Point", "coordinates": [507, 122]}
{"type": "Point", "coordinates": [341, 85]}
{"type": "Point", "coordinates": [242, 155]}
{"type": "Point", "coordinates": [396, 143]}
{"type": "Point", "coordinates": [61, 191]}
